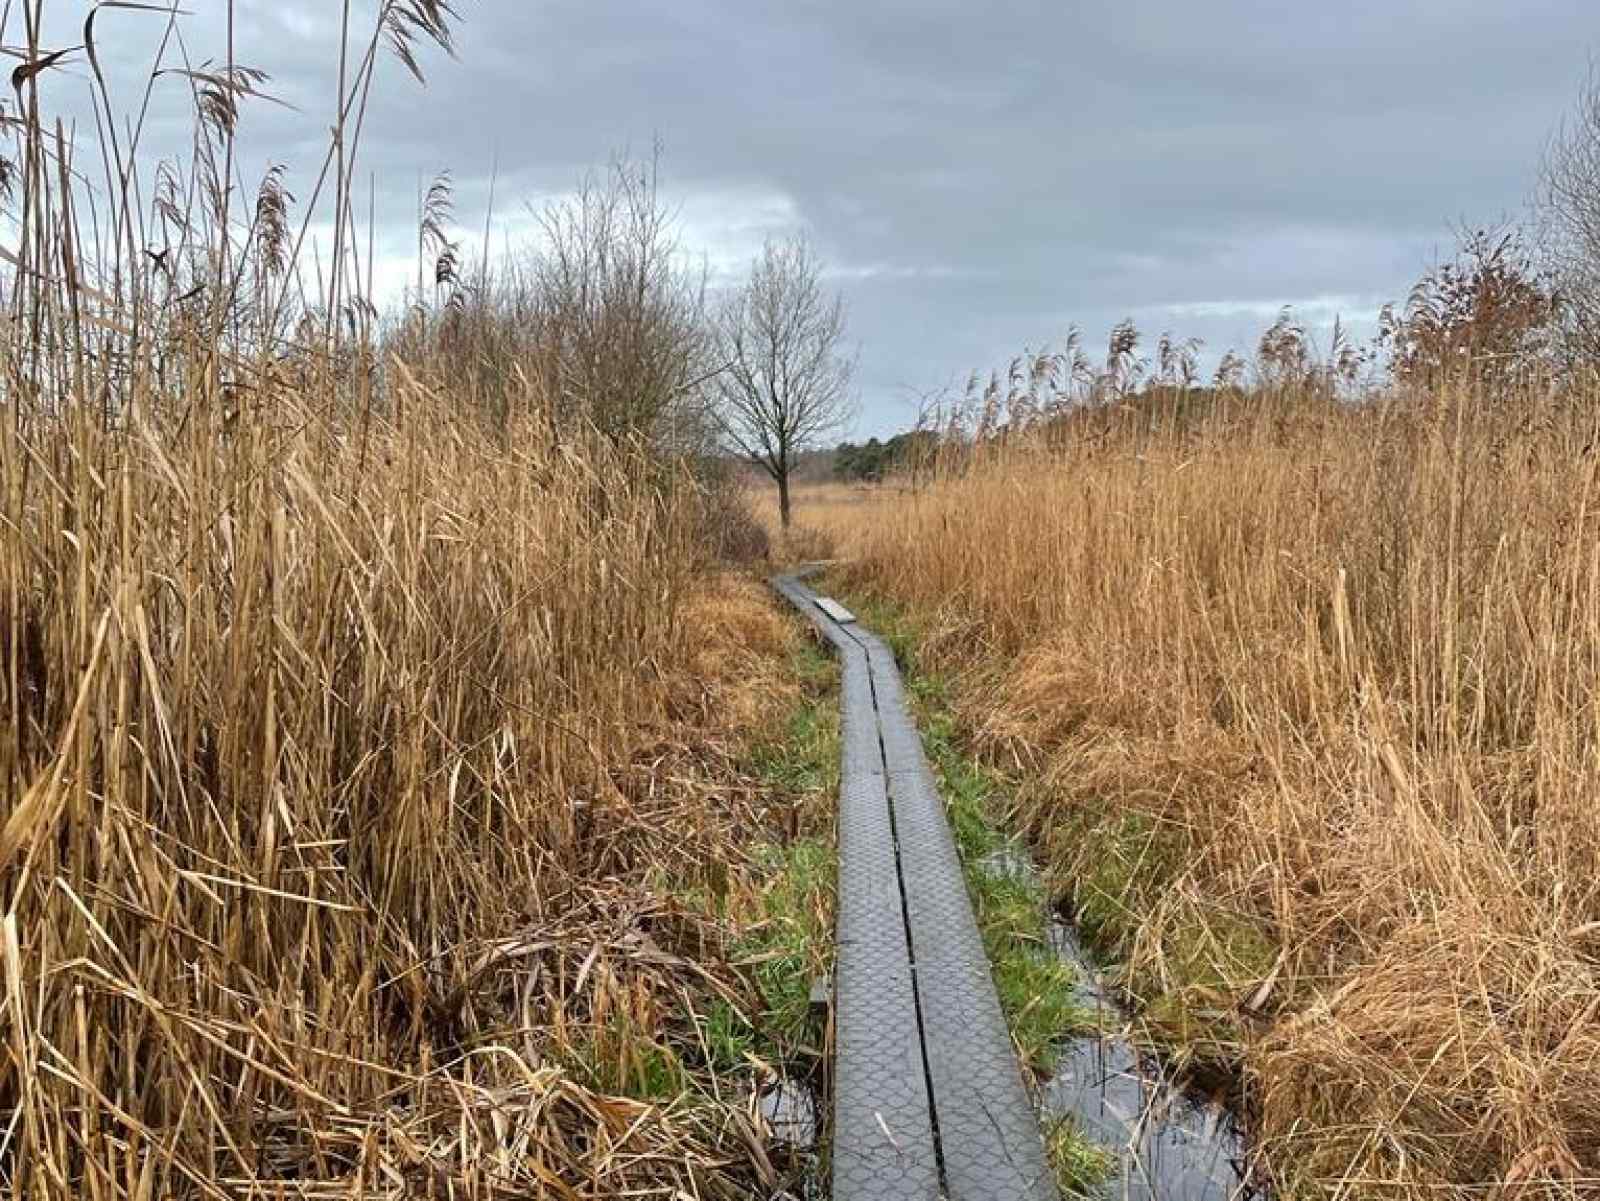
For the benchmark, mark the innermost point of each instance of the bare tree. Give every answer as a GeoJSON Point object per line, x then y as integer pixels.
{"type": "Point", "coordinates": [1568, 207]}
{"type": "Point", "coordinates": [786, 384]}
{"type": "Point", "coordinates": [621, 311]}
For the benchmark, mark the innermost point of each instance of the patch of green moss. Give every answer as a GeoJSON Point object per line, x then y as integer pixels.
{"type": "Point", "coordinates": [1133, 864]}
{"type": "Point", "coordinates": [1183, 1007]}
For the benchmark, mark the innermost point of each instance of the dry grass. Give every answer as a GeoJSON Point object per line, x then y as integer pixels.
{"type": "Point", "coordinates": [1306, 695]}
{"type": "Point", "coordinates": [336, 786]}
{"type": "Point", "coordinates": [819, 511]}
{"type": "Point", "coordinates": [356, 709]}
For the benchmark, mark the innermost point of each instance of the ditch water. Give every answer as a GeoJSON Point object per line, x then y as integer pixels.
{"type": "Point", "coordinates": [1170, 1144]}
{"type": "Point", "coordinates": [790, 1110]}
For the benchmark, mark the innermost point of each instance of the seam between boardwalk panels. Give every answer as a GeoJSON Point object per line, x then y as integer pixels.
{"type": "Point", "coordinates": [905, 912]}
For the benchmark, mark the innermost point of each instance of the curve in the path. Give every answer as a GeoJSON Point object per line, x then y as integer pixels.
{"type": "Point", "coordinates": [923, 1054]}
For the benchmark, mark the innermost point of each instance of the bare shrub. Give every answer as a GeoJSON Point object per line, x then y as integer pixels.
{"type": "Point", "coordinates": [1567, 209]}
{"type": "Point", "coordinates": [1490, 315]}
{"type": "Point", "coordinates": [620, 316]}
{"type": "Point", "coordinates": [603, 314]}
{"type": "Point", "coordinates": [727, 525]}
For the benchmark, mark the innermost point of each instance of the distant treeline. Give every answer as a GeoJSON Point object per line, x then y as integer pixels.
{"type": "Point", "coordinates": [874, 459]}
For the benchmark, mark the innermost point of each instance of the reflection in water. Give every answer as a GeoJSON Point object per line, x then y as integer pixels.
{"type": "Point", "coordinates": [1170, 1147]}
{"type": "Point", "coordinates": [791, 1110]}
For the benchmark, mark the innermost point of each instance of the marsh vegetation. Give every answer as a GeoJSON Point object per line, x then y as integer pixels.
{"type": "Point", "coordinates": [1295, 688]}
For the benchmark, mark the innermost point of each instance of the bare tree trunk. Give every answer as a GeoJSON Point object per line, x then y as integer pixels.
{"type": "Point", "coordinates": [783, 498]}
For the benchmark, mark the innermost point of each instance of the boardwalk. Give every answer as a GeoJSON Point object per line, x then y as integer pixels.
{"type": "Point", "coordinates": [928, 1098]}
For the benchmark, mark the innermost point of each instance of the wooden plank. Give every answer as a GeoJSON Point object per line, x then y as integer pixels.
{"type": "Point", "coordinates": [835, 610]}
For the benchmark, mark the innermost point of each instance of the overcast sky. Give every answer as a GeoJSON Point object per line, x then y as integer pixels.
{"type": "Point", "coordinates": [978, 175]}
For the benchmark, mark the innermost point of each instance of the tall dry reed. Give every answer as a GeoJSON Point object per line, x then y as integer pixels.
{"type": "Point", "coordinates": [305, 737]}
{"type": "Point", "coordinates": [1305, 694]}
{"type": "Point", "coordinates": [341, 709]}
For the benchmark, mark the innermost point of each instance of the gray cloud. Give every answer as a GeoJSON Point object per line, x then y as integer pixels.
{"type": "Point", "coordinates": [979, 175]}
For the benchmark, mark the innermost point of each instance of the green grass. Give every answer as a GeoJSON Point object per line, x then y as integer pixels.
{"type": "Point", "coordinates": [778, 903]}
{"type": "Point", "coordinates": [802, 759]}
{"type": "Point", "coordinates": [1082, 1169]}
{"type": "Point", "coordinates": [729, 1037]}
{"type": "Point", "coordinates": [785, 904]}
{"type": "Point", "coordinates": [622, 1061]}
{"type": "Point", "coordinates": [792, 945]}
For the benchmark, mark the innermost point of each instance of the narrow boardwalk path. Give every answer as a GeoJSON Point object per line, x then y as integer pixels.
{"type": "Point", "coordinates": [928, 1101]}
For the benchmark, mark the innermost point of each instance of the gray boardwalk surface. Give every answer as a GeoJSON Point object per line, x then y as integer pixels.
{"type": "Point", "coordinates": [928, 1099]}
